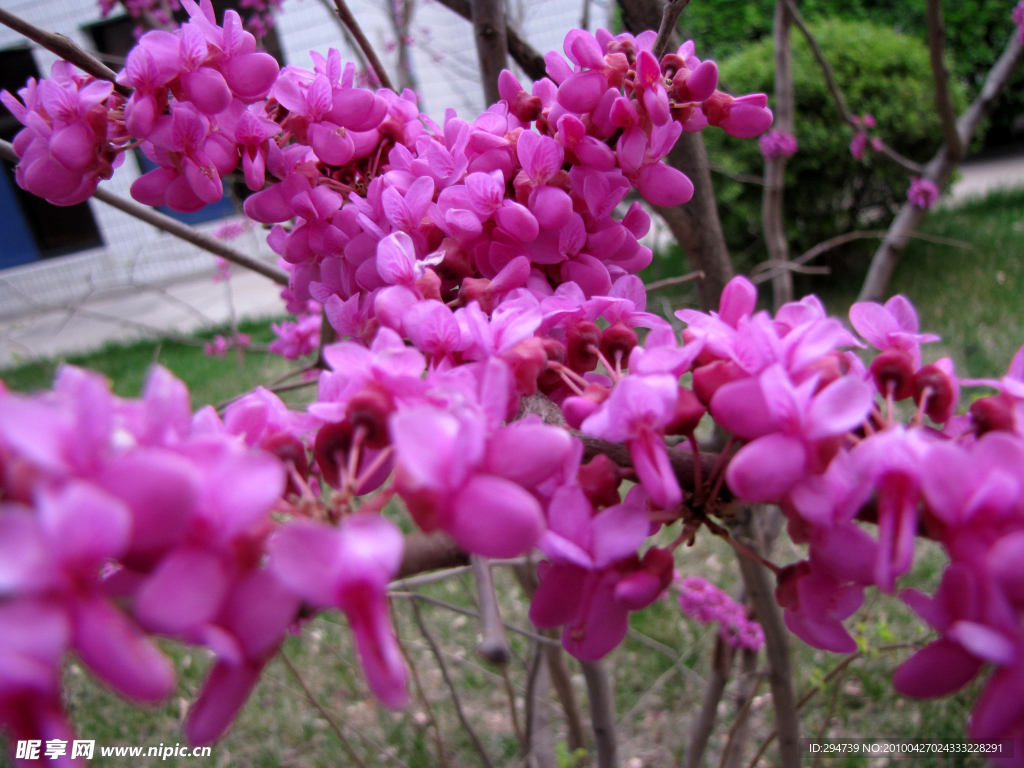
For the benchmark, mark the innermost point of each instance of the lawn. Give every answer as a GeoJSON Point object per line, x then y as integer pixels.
{"type": "Point", "coordinates": [971, 297]}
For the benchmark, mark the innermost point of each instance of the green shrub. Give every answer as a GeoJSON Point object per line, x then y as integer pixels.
{"type": "Point", "coordinates": [828, 192]}
{"type": "Point", "coordinates": [976, 32]}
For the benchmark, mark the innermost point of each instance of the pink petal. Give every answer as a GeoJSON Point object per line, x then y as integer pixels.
{"type": "Point", "coordinates": [495, 517]}
{"type": "Point", "coordinates": [663, 185]}
{"type": "Point", "coordinates": [763, 470]}
{"type": "Point", "coordinates": [186, 590]}
{"type": "Point", "coordinates": [939, 669]}
{"type": "Point", "coordinates": [224, 693]}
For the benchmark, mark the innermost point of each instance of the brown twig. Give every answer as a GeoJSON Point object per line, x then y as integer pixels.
{"type": "Point", "coordinates": [415, 596]}
{"type": "Point", "coordinates": [669, 17]}
{"type": "Point", "coordinates": [176, 228]}
{"type": "Point", "coordinates": [451, 686]}
{"type": "Point", "coordinates": [602, 713]}
{"type": "Point", "coordinates": [775, 167]}
{"type": "Point", "coordinates": [323, 711]}
{"type": "Point", "coordinates": [488, 17]}
{"type": "Point", "coordinates": [704, 725]}
{"type": "Point", "coordinates": [735, 741]}
{"type": "Point", "coordinates": [442, 754]}
{"type": "Point", "coordinates": [538, 726]}
{"type": "Point", "coordinates": [687, 278]}
{"type": "Point", "coordinates": [762, 271]}
{"type": "Point", "coordinates": [357, 32]}
{"type": "Point", "coordinates": [65, 48]}
{"type": "Point", "coordinates": [494, 646]}
{"type": "Point", "coordinates": [943, 98]}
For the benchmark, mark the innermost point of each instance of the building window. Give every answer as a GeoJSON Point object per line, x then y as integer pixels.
{"type": "Point", "coordinates": [32, 228]}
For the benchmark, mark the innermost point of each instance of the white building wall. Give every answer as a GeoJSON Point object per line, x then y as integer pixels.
{"type": "Point", "coordinates": [445, 66]}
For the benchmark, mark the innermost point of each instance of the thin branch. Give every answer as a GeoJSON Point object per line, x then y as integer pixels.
{"type": "Point", "coordinates": [743, 178]}
{"type": "Point", "coordinates": [669, 17]}
{"type": "Point", "coordinates": [451, 686]}
{"type": "Point", "coordinates": [414, 596]}
{"type": "Point", "coordinates": [939, 170]}
{"type": "Point", "coordinates": [442, 754]}
{"type": "Point", "coordinates": [809, 694]}
{"type": "Point", "coordinates": [525, 55]}
{"type": "Point", "coordinates": [323, 711]}
{"type": "Point", "coordinates": [819, 55]}
{"type": "Point", "coordinates": [602, 713]}
{"type": "Point", "coordinates": [538, 725]}
{"type": "Point", "coordinates": [494, 646]}
{"type": "Point", "coordinates": [780, 677]}
{"type": "Point", "coordinates": [689, 277]}
{"type": "Point", "coordinates": [357, 32]}
{"type": "Point", "coordinates": [943, 98]}
{"type": "Point", "coordinates": [704, 725]}
{"type": "Point", "coordinates": [732, 753]}
{"type": "Point", "coordinates": [175, 227]}
{"type": "Point", "coordinates": [65, 48]}
{"type": "Point", "coordinates": [772, 221]}
{"type": "Point", "coordinates": [763, 271]}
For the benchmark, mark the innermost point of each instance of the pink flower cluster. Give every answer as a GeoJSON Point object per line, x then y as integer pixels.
{"type": "Point", "coordinates": [862, 139]}
{"type": "Point", "coordinates": [1018, 19]}
{"type": "Point", "coordinates": [468, 266]}
{"type": "Point", "coordinates": [220, 345]}
{"type": "Point", "coordinates": [298, 339]}
{"type": "Point", "coordinates": [68, 144]}
{"type": "Point", "coordinates": [706, 603]}
{"type": "Point", "coordinates": [123, 519]}
{"type": "Point", "coordinates": [777, 144]}
{"type": "Point", "coordinates": [922, 193]}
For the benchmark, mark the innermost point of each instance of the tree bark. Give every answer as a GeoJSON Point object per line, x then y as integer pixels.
{"type": "Point", "coordinates": [491, 43]}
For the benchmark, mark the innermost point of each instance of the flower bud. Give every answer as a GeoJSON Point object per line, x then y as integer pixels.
{"type": "Point", "coordinates": [893, 371]}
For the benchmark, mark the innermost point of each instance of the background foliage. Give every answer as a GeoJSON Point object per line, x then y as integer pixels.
{"type": "Point", "coordinates": [828, 191]}
{"type": "Point", "coordinates": [976, 32]}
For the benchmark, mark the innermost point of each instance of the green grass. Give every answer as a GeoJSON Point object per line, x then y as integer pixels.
{"type": "Point", "coordinates": [211, 380]}
{"type": "Point", "coordinates": [656, 671]}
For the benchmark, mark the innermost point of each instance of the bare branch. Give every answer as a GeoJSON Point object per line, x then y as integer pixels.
{"type": "Point", "coordinates": [775, 167]}
{"type": "Point", "coordinates": [538, 726]}
{"type": "Point", "coordinates": [442, 754]}
{"type": "Point", "coordinates": [357, 32]}
{"type": "Point", "coordinates": [736, 740]}
{"type": "Point", "coordinates": [669, 18]}
{"type": "Point", "coordinates": [488, 18]}
{"type": "Point", "coordinates": [780, 675]}
{"type": "Point", "coordinates": [524, 54]}
{"type": "Point", "coordinates": [602, 713]}
{"type": "Point", "coordinates": [414, 596]}
{"type": "Point", "coordinates": [938, 171]}
{"type": "Point", "coordinates": [494, 646]}
{"type": "Point", "coordinates": [323, 711]}
{"type": "Point", "coordinates": [688, 277]}
{"type": "Point", "coordinates": [943, 99]}
{"type": "Point", "coordinates": [704, 725]}
{"type": "Point", "coordinates": [451, 687]}
{"type": "Point", "coordinates": [430, 552]}
{"type": "Point", "coordinates": [65, 48]}
{"type": "Point", "coordinates": [819, 55]}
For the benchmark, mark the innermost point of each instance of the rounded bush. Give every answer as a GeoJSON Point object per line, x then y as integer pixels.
{"type": "Point", "coordinates": [828, 192]}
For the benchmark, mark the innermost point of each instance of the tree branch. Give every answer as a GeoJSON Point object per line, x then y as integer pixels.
{"type": "Point", "coordinates": [938, 171]}
{"type": "Point", "coordinates": [943, 99]}
{"type": "Point", "coordinates": [488, 17]}
{"type": "Point", "coordinates": [602, 713]}
{"type": "Point", "coordinates": [775, 167]}
{"type": "Point", "coordinates": [65, 48]}
{"type": "Point", "coordinates": [451, 686]}
{"type": "Point", "coordinates": [357, 32]}
{"type": "Point", "coordinates": [704, 725]}
{"type": "Point", "coordinates": [669, 19]}
{"type": "Point", "coordinates": [524, 54]}
{"type": "Point", "coordinates": [494, 646]}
